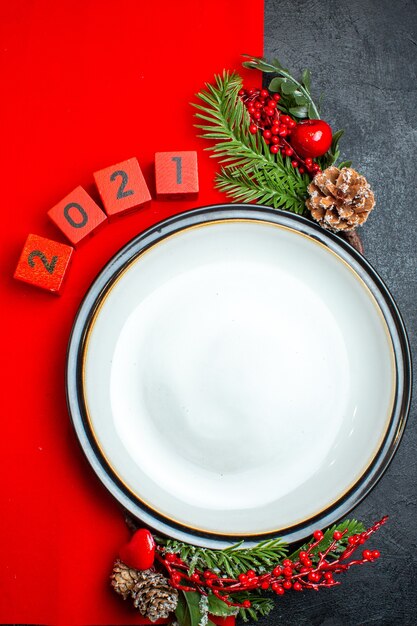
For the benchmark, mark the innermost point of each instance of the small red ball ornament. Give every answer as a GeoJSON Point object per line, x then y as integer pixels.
{"type": "Point", "coordinates": [139, 553]}
{"type": "Point", "coordinates": [311, 138]}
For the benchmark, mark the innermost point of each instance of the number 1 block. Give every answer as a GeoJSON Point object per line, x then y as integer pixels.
{"type": "Point", "coordinates": [122, 187]}
{"type": "Point", "coordinates": [77, 215]}
{"type": "Point", "coordinates": [176, 174]}
{"type": "Point", "coordinates": [44, 263]}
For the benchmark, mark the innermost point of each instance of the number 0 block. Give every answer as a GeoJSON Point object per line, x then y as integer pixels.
{"type": "Point", "coordinates": [122, 187]}
{"type": "Point", "coordinates": [44, 263]}
{"type": "Point", "coordinates": [176, 174]}
{"type": "Point", "coordinates": [77, 215]}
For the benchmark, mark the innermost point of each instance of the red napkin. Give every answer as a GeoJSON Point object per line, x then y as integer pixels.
{"type": "Point", "coordinates": [85, 84]}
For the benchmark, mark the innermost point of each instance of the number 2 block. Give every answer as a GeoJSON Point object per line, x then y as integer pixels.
{"type": "Point", "coordinates": [44, 263]}
{"type": "Point", "coordinates": [77, 215]}
{"type": "Point", "coordinates": [122, 187]}
{"type": "Point", "coordinates": [176, 174]}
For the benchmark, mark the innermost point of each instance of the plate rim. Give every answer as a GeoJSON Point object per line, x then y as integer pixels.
{"type": "Point", "coordinates": [220, 213]}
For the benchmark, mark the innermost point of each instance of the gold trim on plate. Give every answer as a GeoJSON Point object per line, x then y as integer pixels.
{"type": "Point", "coordinates": [137, 258]}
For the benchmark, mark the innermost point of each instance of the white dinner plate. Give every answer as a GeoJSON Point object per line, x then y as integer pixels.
{"type": "Point", "coordinates": [238, 372]}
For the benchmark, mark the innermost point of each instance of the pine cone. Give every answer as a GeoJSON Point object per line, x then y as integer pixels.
{"type": "Point", "coordinates": [154, 596]}
{"type": "Point", "coordinates": [340, 199]}
{"type": "Point", "coordinates": [124, 578]}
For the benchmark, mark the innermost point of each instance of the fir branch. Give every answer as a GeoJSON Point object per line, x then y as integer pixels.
{"type": "Point", "coordinates": [265, 187]}
{"type": "Point", "coordinates": [233, 561]}
{"type": "Point", "coordinates": [260, 605]}
{"type": "Point", "coordinates": [353, 527]}
{"type": "Point", "coordinates": [250, 172]}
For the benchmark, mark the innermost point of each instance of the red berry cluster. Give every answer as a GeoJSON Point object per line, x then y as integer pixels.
{"type": "Point", "coordinates": [276, 127]}
{"type": "Point", "coordinates": [311, 569]}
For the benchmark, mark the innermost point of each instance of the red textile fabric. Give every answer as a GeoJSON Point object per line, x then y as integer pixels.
{"type": "Point", "coordinates": [85, 84]}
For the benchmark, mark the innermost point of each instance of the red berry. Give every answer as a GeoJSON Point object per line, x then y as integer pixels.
{"type": "Point", "coordinates": [250, 573]}
{"type": "Point", "coordinates": [277, 97]}
{"type": "Point", "coordinates": [318, 535]}
{"type": "Point", "coordinates": [304, 569]}
{"type": "Point", "coordinates": [246, 604]}
{"type": "Point", "coordinates": [283, 131]}
{"type": "Point", "coordinates": [303, 554]}
{"type": "Point", "coordinates": [298, 586]}
{"type": "Point", "coordinates": [311, 138]}
{"type": "Point", "coordinates": [272, 104]}
{"type": "Point", "coordinates": [195, 578]}
{"type": "Point", "coordinates": [314, 577]}
{"type": "Point", "coordinates": [301, 170]}
{"type": "Point", "coordinates": [257, 115]}
{"type": "Point", "coordinates": [268, 111]}
{"type": "Point", "coordinates": [274, 149]}
{"type": "Point", "coordinates": [294, 163]}
{"type": "Point", "coordinates": [258, 105]}
{"type": "Point", "coordinates": [242, 92]}
{"type": "Point", "coordinates": [337, 535]}
{"type": "Point", "coordinates": [287, 572]}
{"type": "Point", "coordinates": [328, 576]}
{"type": "Point", "coordinates": [287, 563]}
{"type": "Point", "coordinates": [309, 161]}
{"type": "Point", "coordinates": [367, 555]}
{"type": "Point", "coordinates": [292, 123]}
{"type": "Point", "coordinates": [278, 589]}
{"type": "Point", "coordinates": [139, 553]}
{"type": "Point", "coordinates": [289, 152]}
{"type": "Point", "coordinates": [277, 571]}
{"type": "Point", "coordinates": [253, 129]}
{"type": "Point", "coordinates": [315, 168]}
{"type": "Point", "coordinates": [376, 554]}
{"type": "Point", "coordinates": [207, 574]}
{"type": "Point", "coordinates": [275, 139]}
{"type": "Point", "coordinates": [286, 584]}
{"type": "Point", "coordinates": [251, 91]}
{"type": "Point", "coordinates": [251, 109]}
{"type": "Point", "coordinates": [275, 129]}
{"type": "Point", "coordinates": [267, 134]}
{"type": "Point", "coordinates": [285, 119]}
{"type": "Point", "coordinates": [264, 93]}
{"type": "Point", "coordinates": [352, 540]}
{"type": "Point", "coordinates": [307, 562]}
{"type": "Point", "coordinates": [170, 557]}
{"type": "Point", "coordinates": [265, 585]}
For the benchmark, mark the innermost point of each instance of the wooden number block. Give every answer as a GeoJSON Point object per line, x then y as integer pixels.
{"type": "Point", "coordinates": [122, 187]}
{"type": "Point", "coordinates": [77, 215]}
{"type": "Point", "coordinates": [44, 263]}
{"type": "Point", "coordinates": [176, 174]}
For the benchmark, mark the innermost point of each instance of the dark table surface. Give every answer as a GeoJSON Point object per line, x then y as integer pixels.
{"type": "Point", "coordinates": [363, 57]}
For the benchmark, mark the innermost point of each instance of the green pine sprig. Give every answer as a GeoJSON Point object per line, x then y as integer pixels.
{"type": "Point", "coordinates": [352, 527]}
{"type": "Point", "coordinates": [260, 606]}
{"type": "Point", "coordinates": [232, 560]}
{"type": "Point", "coordinates": [250, 172]}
